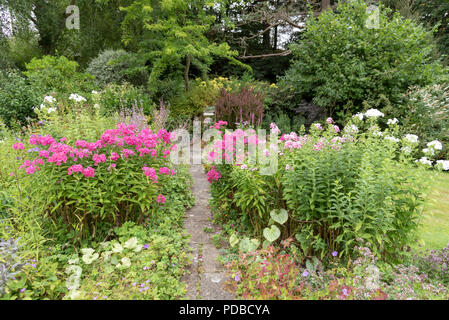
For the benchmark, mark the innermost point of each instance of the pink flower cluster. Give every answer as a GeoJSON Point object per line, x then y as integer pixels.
{"type": "Point", "coordinates": [213, 174]}
{"type": "Point", "coordinates": [124, 141]}
{"type": "Point", "coordinates": [219, 124]}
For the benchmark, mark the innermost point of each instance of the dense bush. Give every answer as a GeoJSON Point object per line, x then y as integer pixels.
{"type": "Point", "coordinates": [339, 62]}
{"type": "Point", "coordinates": [17, 98]}
{"type": "Point", "coordinates": [87, 183]}
{"type": "Point", "coordinates": [51, 73]}
{"type": "Point", "coordinates": [328, 189]}
{"type": "Point", "coordinates": [113, 66]}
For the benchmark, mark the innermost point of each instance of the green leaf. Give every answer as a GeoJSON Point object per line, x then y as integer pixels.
{"type": "Point", "coordinates": [233, 240]}
{"type": "Point", "coordinates": [280, 216]}
{"type": "Point", "coordinates": [271, 234]}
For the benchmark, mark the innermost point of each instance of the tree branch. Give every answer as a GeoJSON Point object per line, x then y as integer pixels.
{"type": "Point", "coordinates": [279, 54]}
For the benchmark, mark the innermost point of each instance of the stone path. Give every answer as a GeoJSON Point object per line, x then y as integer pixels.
{"type": "Point", "coordinates": [207, 276]}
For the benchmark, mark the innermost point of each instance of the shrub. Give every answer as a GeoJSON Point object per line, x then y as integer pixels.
{"type": "Point", "coordinates": [244, 106]}
{"type": "Point", "coordinates": [425, 112]}
{"type": "Point", "coordinates": [59, 74]}
{"type": "Point", "coordinates": [112, 66]}
{"type": "Point", "coordinates": [17, 98]}
{"type": "Point", "coordinates": [329, 188]}
{"type": "Point", "coordinates": [87, 184]}
{"type": "Point", "coordinates": [339, 62]}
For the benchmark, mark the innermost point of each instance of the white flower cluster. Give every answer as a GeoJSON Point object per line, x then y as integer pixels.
{"type": "Point", "coordinates": [435, 145]}
{"type": "Point", "coordinates": [411, 138]}
{"type": "Point", "coordinates": [77, 97]}
{"type": "Point", "coordinates": [392, 121]}
{"type": "Point", "coordinates": [351, 129]}
{"type": "Point", "coordinates": [373, 113]}
{"type": "Point", "coordinates": [443, 164]}
{"type": "Point", "coordinates": [390, 138]}
{"type": "Point", "coordinates": [424, 160]}
{"type": "Point", "coordinates": [48, 100]}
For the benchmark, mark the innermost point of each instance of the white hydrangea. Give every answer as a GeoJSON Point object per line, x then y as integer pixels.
{"type": "Point", "coordinates": [411, 138]}
{"type": "Point", "coordinates": [435, 145]}
{"type": "Point", "coordinates": [392, 121]}
{"type": "Point", "coordinates": [77, 97]}
{"type": "Point", "coordinates": [373, 113]}
{"type": "Point", "coordinates": [443, 164]}
{"type": "Point", "coordinates": [360, 116]}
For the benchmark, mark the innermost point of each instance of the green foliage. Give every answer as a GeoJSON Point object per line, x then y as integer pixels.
{"type": "Point", "coordinates": [111, 66]}
{"type": "Point", "coordinates": [339, 62]}
{"type": "Point", "coordinates": [51, 73]}
{"type": "Point", "coordinates": [17, 98]}
{"type": "Point", "coordinates": [425, 112]}
{"type": "Point", "coordinates": [171, 37]}
{"type": "Point", "coordinates": [116, 97]}
{"type": "Point", "coordinates": [335, 191]}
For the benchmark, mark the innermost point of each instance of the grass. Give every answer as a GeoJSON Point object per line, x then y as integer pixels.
{"type": "Point", "coordinates": [434, 230]}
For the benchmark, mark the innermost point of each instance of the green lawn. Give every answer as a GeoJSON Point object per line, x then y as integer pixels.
{"type": "Point", "coordinates": [435, 225]}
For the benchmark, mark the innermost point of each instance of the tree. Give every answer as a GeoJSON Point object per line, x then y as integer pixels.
{"type": "Point", "coordinates": [170, 37]}
{"type": "Point", "coordinates": [340, 63]}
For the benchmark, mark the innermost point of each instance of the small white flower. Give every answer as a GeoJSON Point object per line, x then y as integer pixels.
{"type": "Point", "coordinates": [49, 99]}
{"type": "Point", "coordinates": [360, 116]}
{"type": "Point", "coordinates": [243, 166]}
{"type": "Point", "coordinates": [411, 138]}
{"type": "Point", "coordinates": [373, 113]}
{"type": "Point", "coordinates": [443, 164]}
{"type": "Point", "coordinates": [435, 145]}
{"type": "Point", "coordinates": [77, 97]}
{"type": "Point", "coordinates": [351, 129]}
{"type": "Point", "coordinates": [390, 138]}
{"type": "Point", "coordinates": [51, 110]}
{"type": "Point", "coordinates": [96, 106]}
{"type": "Point", "coordinates": [94, 92]}
{"type": "Point", "coordinates": [428, 151]}
{"type": "Point", "coordinates": [406, 149]}
{"type": "Point", "coordinates": [392, 121]}
{"type": "Point", "coordinates": [424, 160]}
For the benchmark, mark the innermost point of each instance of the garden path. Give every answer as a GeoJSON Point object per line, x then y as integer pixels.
{"type": "Point", "coordinates": [207, 276]}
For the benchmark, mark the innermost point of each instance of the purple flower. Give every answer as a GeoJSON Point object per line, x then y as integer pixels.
{"type": "Point", "coordinates": [334, 254]}
{"type": "Point", "coordinates": [146, 246]}
{"type": "Point", "coordinates": [237, 278]}
{"type": "Point", "coordinates": [305, 273]}
{"type": "Point", "coordinates": [22, 290]}
{"type": "Point", "coordinates": [345, 291]}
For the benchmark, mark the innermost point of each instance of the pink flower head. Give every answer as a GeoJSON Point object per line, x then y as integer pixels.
{"type": "Point", "coordinates": [151, 173]}
{"type": "Point", "coordinates": [114, 156]}
{"type": "Point", "coordinates": [98, 158]}
{"type": "Point", "coordinates": [336, 128]}
{"type": "Point", "coordinates": [330, 120]}
{"type": "Point", "coordinates": [18, 146]}
{"type": "Point", "coordinates": [89, 172]}
{"type": "Point", "coordinates": [160, 198]}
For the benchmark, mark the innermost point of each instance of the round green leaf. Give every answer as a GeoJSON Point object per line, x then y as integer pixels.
{"type": "Point", "coordinates": [271, 234]}
{"type": "Point", "coordinates": [280, 216]}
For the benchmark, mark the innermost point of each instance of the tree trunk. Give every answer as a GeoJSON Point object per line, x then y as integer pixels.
{"type": "Point", "coordinates": [186, 73]}
{"type": "Point", "coordinates": [325, 4]}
